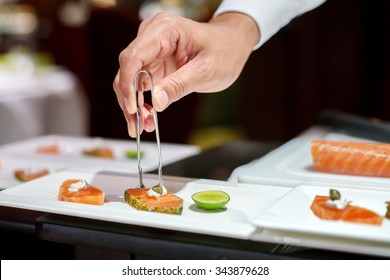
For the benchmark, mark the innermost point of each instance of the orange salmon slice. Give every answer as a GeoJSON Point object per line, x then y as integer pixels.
{"type": "Point", "coordinates": [351, 158]}
{"type": "Point", "coordinates": [320, 209]}
{"type": "Point", "coordinates": [103, 152]}
{"type": "Point", "coordinates": [24, 176]}
{"type": "Point", "coordinates": [86, 195]}
{"type": "Point", "coordinates": [356, 214]}
{"type": "Point", "coordinates": [169, 203]}
{"type": "Point", "coordinates": [353, 214]}
{"type": "Point", "coordinates": [49, 149]}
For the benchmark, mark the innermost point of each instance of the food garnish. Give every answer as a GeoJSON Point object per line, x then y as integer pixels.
{"type": "Point", "coordinates": [387, 215]}
{"type": "Point", "coordinates": [158, 189]}
{"type": "Point", "coordinates": [334, 194]}
{"type": "Point", "coordinates": [133, 154]}
{"type": "Point", "coordinates": [211, 200]}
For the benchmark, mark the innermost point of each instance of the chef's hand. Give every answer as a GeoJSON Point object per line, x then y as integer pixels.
{"type": "Point", "coordinates": [183, 56]}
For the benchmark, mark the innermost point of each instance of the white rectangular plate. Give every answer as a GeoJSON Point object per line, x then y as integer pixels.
{"type": "Point", "coordinates": [292, 212]}
{"type": "Point", "coordinates": [71, 148]}
{"type": "Point", "coordinates": [9, 164]}
{"type": "Point", "coordinates": [291, 164]}
{"type": "Point", "coordinates": [232, 221]}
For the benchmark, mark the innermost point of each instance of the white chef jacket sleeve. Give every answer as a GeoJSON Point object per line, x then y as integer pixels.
{"type": "Point", "coordinates": [270, 15]}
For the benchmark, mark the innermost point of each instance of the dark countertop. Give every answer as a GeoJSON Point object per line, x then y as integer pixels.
{"type": "Point", "coordinates": [219, 162]}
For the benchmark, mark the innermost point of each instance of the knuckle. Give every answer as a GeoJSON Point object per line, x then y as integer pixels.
{"type": "Point", "coordinates": [166, 21]}
{"type": "Point", "coordinates": [178, 88]}
{"type": "Point", "coordinates": [127, 54]}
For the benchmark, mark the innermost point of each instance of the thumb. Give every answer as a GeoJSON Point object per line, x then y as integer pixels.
{"type": "Point", "coordinates": [160, 98]}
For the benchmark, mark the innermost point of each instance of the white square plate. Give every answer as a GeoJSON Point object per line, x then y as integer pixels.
{"type": "Point", "coordinates": [9, 164]}
{"type": "Point", "coordinates": [291, 164]}
{"type": "Point", "coordinates": [232, 221]}
{"type": "Point", "coordinates": [72, 147]}
{"type": "Point", "coordinates": [292, 212]}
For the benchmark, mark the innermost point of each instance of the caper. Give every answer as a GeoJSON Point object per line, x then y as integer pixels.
{"type": "Point", "coordinates": [158, 189]}
{"type": "Point", "coordinates": [334, 194]}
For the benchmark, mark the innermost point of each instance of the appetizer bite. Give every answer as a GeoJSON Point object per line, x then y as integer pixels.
{"type": "Point", "coordinates": [102, 152]}
{"type": "Point", "coordinates": [335, 207]}
{"type": "Point", "coordinates": [155, 199]}
{"type": "Point", "coordinates": [49, 149]}
{"type": "Point", "coordinates": [25, 175]}
{"type": "Point", "coordinates": [75, 190]}
{"type": "Point", "coordinates": [351, 158]}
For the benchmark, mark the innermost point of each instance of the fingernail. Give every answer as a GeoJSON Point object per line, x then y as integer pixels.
{"type": "Point", "coordinates": [160, 99]}
{"type": "Point", "coordinates": [131, 129]}
{"type": "Point", "coordinates": [128, 106]}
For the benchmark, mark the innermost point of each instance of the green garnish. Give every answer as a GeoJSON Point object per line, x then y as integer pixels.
{"type": "Point", "coordinates": [334, 194]}
{"type": "Point", "coordinates": [133, 154]}
{"type": "Point", "coordinates": [158, 189]}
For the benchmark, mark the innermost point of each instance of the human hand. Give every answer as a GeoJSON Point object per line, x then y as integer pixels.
{"type": "Point", "coordinates": [183, 56]}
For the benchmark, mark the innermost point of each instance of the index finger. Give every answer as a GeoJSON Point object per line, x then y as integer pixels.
{"type": "Point", "coordinates": [140, 53]}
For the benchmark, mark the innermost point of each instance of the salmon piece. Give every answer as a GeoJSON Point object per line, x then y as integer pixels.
{"type": "Point", "coordinates": [25, 175]}
{"type": "Point", "coordinates": [103, 152]}
{"type": "Point", "coordinates": [49, 149]}
{"type": "Point", "coordinates": [169, 203]}
{"type": "Point", "coordinates": [353, 214]}
{"type": "Point", "coordinates": [351, 158]}
{"type": "Point", "coordinates": [86, 195]}
{"type": "Point", "coordinates": [319, 208]}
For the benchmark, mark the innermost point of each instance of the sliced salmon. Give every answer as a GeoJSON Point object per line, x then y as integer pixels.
{"type": "Point", "coordinates": [25, 175]}
{"type": "Point", "coordinates": [86, 195]}
{"type": "Point", "coordinates": [357, 214]}
{"type": "Point", "coordinates": [351, 158]}
{"type": "Point", "coordinates": [320, 209]}
{"type": "Point", "coordinates": [169, 203]}
{"type": "Point", "coordinates": [49, 149]}
{"type": "Point", "coordinates": [102, 152]}
{"type": "Point", "coordinates": [353, 214]}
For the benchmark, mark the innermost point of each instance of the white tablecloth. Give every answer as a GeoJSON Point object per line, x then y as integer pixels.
{"type": "Point", "coordinates": [51, 101]}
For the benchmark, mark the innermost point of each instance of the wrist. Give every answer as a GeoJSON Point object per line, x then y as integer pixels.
{"type": "Point", "coordinates": [240, 26]}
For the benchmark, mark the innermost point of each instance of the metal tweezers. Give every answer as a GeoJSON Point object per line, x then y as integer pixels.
{"type": "Point", "coordinates": [137, 91]}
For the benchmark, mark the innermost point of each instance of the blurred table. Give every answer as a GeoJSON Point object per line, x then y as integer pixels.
{"type": "Point", "coordinates": [49, 101]}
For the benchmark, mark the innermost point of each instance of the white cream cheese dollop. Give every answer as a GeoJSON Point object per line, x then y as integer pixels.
{"type": "Point", "coordinates": [75, 187]}
{"type": "Point", "coordinates": [152, 193]}
{"type": "Point", "coordinates": [339, 204]}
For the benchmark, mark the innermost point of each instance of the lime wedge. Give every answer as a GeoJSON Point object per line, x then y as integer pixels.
{"type": "Point", "coordinates": [211, 199]}
{"type": "Point", "coordinates": [133, 154]}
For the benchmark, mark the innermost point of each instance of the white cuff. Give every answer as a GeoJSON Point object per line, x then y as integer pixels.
{"type": "Point", "coordinates": [270, 15]}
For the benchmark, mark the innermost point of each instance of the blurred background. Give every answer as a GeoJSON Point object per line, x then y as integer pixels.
{"type": "Point", "coordinates": [336, 56]}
